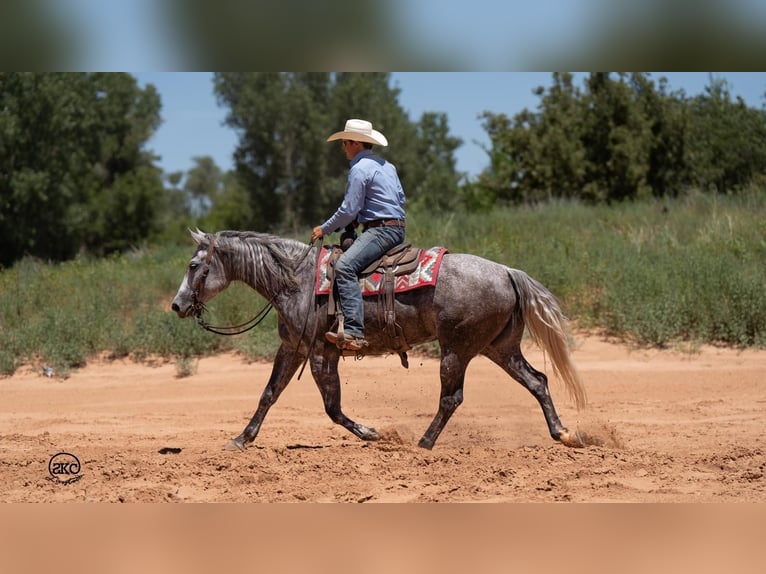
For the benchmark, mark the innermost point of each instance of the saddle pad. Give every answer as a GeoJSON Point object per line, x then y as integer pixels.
{"type": "Point", "coordinates": [426, 273]}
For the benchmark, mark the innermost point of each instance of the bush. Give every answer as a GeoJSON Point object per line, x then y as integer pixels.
{"type": "Point", "coordinates": [691, 269]}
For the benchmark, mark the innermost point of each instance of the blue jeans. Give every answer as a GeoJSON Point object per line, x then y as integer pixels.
{"type": "Point", "coordinates": [369, 246]}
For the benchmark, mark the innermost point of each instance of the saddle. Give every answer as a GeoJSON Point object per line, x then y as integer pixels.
{"type": "Point", "coordinates": [400, 260]}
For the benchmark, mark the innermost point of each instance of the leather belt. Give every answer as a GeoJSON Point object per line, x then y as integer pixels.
{"type": "Point", "coordinates": [383, 223]}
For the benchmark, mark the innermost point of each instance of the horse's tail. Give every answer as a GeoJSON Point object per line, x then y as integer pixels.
{"type": "Point", "coordinates": [546, 324]}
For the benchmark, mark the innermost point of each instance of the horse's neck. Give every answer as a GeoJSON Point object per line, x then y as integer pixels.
{"type": "Point", "coordinates": [256, 267]}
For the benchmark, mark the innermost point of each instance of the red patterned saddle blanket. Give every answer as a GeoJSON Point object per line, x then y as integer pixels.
{"type": "Point", "coordinates": [424, 274]}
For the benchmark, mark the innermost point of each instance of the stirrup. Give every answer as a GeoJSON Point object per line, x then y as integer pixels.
{"type": "Point", "coordinates": [335, 338]}
{"type": "Point", "coordinates": [355, 344]}
{"type": "Point", "coordinates": [346, 342]}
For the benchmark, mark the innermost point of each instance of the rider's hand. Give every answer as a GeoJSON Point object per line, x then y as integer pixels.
{"type": "Point", "coordinates": [316, 234]}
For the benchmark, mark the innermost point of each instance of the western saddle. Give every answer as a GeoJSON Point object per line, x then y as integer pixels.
{"type": "Point", "coordinates": [399, 260]}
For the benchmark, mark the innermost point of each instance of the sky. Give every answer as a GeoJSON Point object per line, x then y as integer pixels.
{"type": "Point", "coordinates": [193, 123]}
{"type": "Point", "coordinates": [130, 35]}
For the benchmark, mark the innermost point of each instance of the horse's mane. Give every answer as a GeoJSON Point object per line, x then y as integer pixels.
{"type": "Point", "coordinates": [260, 259]}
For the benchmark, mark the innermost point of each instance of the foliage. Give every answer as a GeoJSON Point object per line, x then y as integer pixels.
{"type": "Point", "coordinates": [622, 138]}
{"type": "Point", "coordinates": [291, 176]}
{"type": "Point", "coordinates": [684, 269]}
{"type": "Point", "coordinates": [64, 314]}
{"type": "Point", "coordinates": [73, 174]}
{"type": "Point", "coordinates": [727, 140]}
{"type": "Point", "coordinates": [656, 273]}
{"type": "Point", "coordinates": [75, 178]}
{"type": "Point", "coordinates": [101, 193]}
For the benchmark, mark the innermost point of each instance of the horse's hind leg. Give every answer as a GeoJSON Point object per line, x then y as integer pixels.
{"type": "Point", "coordinates": [325, 372]}
{"type": "Point", "coordinates": [452, 372]}
{"type": "Point", "coordinates": [286, 363]}
{"type": "Point", "coordinates": [507, 354]}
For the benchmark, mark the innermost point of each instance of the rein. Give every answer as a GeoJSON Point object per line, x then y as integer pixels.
{"type": "Point", "coordinates": [227, 330]}
{"type": "Point", "coordinates": [235, 329]}
{"type": "Point", "coordinates": [316, 314]}
{"type": "Point", "coordinates": [199, 307]}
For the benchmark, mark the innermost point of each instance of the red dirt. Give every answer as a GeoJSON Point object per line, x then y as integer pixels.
{"type": "Point", "coordinates": [672, 427]}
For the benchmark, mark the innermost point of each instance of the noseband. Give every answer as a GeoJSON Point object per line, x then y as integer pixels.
{"type": "Point", "coordinates": [198, 307]}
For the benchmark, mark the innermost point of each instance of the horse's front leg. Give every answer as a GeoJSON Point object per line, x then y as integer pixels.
{"type": "Point", "coordinates": [286, 364]}
{"type": "Point", "coordinates": [324, 368]}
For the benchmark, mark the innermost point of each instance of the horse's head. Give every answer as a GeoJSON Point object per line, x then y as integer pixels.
{"type": "Point", "coordinates": [204, 278]}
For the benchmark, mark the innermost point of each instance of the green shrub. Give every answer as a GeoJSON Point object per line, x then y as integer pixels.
{"type": "Point", "coordinates": [691, 269]}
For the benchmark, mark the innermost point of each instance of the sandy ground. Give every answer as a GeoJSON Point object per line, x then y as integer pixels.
{"type": "Point", "coordinates": [673, 427]}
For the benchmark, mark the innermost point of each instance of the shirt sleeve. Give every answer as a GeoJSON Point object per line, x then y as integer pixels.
{"type": "Point", "coordinates": [353, 201]}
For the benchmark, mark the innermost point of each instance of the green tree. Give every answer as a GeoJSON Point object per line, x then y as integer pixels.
{"type": "Point", "coordinates": [126, 187]}
{"type": "Point", "coordinates": [279, 129]}
{"type": "Point", "coordinates": [43, 139]}
{"type": "Point", "coordinates": [73, 174]}
{"type": "Point", "coordinates": [231, 209]}
{"type": "Point", "coordinates": [539, 155]}
{"type": "Point", "coordinates": [173, 211]}
{"type": "Point", "coordinates": [559, 150]}
{"type": "Point", "coordinates": [203, 185]}
{"type": "Point", "coordinates": [727, 139]}
{"type": "Point", "coordinates": [616, 138]}
{"type": "Point", "coordinates": [434, 185]}
{"type": "Point", "coordinates": [668, 117]}
{"type": "Point", "coordinates": [291, 176]}
{"type": "Point", "coordinates": [621, 138]}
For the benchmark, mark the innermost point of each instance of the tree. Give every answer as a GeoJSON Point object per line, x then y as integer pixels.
{"type": "Point", "coordinates": [73, 174]}
{"type": "Point", "coordinates": [617, 140]}
{"type": "Point", "coordinates": [435, 177]}
{"type": "Point", "coordinates": [291, 176]}
{"type": "Point", "coordinates": [621, 138]}
{"type": "Point", "coordinates": [668, 172]}
{"type": "Point", "coordinates": [203, 185]}
{"type": "Point", "coordinates": [560, 151]}
{"type": "Point", "coordinates": [727, 139]}
{"type": "Point", "coordinates": [126, 191]}
{"type": "Point", "coordinates": [279, 129]}
{"type": "Point", "coordinates": [231, 209]}
{"type": "Point", "coordinates": [539, 155]}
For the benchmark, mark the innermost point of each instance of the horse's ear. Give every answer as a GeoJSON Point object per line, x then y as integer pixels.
{"type": "Point", "coordinates": [199, 236]}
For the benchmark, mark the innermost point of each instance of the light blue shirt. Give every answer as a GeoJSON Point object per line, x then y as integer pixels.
{"type": "Point", "coordinates": [373, 192]}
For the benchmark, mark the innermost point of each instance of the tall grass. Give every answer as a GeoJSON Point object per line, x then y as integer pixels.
{"type": "Point", "coordinates": [691, 269]}
{"type": "Point", "coordinates": [65, 314]}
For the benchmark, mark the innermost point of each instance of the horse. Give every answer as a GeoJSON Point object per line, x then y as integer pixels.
{"type": "Point", "coordinates": [476, 307]}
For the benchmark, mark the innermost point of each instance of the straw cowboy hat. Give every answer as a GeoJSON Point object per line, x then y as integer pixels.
{"type": "Point", "coordinates": [360, 131]}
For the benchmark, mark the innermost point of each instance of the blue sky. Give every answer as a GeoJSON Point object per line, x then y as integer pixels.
{"type": "Point", "coordinates": [131, 35]}
{"type": "Point", "coordinates": [193, 122]}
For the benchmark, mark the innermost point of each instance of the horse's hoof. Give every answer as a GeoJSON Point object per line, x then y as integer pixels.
{"type": "Point", "coordinates": [235, 445]}
{"type": "Point", "coordinates": [572, 440]}
{"type": "Point", "coordinates": [371, 434]}
{"type": "Point", "coordinates": [426, 444]}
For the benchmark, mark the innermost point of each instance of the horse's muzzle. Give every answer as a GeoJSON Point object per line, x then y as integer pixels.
{"type": "Point", "coordinates": [183, 313]}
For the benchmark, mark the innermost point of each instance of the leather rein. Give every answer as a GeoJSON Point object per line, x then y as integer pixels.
{"type": "Point", "coordinates": [199, 307]}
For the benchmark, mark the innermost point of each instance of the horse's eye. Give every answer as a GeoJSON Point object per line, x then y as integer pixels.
{"type": "Point", "coordinates": [193, 265]}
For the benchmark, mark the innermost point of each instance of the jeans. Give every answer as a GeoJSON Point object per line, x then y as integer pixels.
{"type": "Point", "coordinates": [368, 247]}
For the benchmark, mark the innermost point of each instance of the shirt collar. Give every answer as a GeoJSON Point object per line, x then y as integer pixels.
{"type": "Point", "coordinates": [362, 154]}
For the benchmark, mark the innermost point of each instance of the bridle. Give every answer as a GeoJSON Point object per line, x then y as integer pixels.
{"type": "Point", "coordinates": [198, 308]}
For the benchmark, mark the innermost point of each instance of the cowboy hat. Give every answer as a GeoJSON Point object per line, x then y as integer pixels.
{"type": "Point", "coordinates": [360, 131]}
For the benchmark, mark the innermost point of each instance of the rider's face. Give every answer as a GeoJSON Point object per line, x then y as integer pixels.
{"type": "Point", "coordinates": [351, 148]}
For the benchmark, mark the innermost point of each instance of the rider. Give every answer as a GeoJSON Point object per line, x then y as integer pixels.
{"type": "Point", "coordinates": [375, 199]}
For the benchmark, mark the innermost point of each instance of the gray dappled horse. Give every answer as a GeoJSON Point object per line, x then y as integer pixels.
{"type": "Point", "coordinates": [476, 307]}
